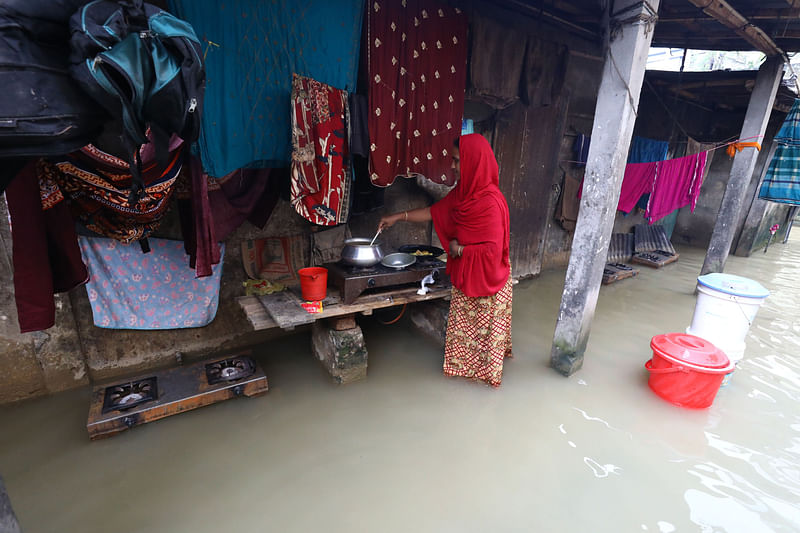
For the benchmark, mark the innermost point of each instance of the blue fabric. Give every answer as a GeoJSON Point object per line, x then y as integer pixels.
{"type": "Point", "coordinates": [782, 181]}
{"type": "Point", "coordinates": [158, 290]}
{"type": "Point", "coordinates": [246, 120]}
{"type": "Point", "coordinates": [645, 150]}
{"type": "Point", "coordinates": [789, 134]}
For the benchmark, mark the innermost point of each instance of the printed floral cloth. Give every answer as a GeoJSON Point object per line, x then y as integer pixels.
{"type": "Point", "coordinates": [417, 75]}
{"type": "Point", "coordinates": [479, 335]}
{"type": "Point", "coordinates": [158, 290]}
{"type": "Point", "coordinates": [321, 181]}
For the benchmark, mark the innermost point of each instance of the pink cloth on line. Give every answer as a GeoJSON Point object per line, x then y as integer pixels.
{"type": "Point", "coordinates": [677, 184]}
{"type": "Point", "coordinates": [638, 180]}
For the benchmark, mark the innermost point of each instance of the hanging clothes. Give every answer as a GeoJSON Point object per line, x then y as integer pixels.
{"type": "Point", "coordinates": [677, 184]}
{"type": "Point", "coordinates": [321, 178]}
{"type": "Point", "coordinates": [157, 290]}
{"type": "Point", "coordinates": [417, 75]}
{"type": "Point", "coordinates": [97, 186]}
{"type": "Point", "coordinates": [244, 194]}
{"type": "Point", "coordinates": [581, 148]}
{"type": "Point", "coordinates": [782, 181]}
{"type": "Point", "coordinates": [197, 223]}
{"type": "Point", "coordinates": [644, 150]}
{"type": "Point", "coordinates": [251, 51]}
{"type": "Point", "coordinates": [45, 252]}
{"type": "Point", "coordinates": [637, 181]}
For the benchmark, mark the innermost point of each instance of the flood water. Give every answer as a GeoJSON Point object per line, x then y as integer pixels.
{"type": "Point", "coordinates": [408, 449]}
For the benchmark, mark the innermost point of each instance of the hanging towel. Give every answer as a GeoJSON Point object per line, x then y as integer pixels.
{"type": "Point", "coordinates": [677, 184]}
{"type": "Point", "coordinates": [251, 51]}
{"type": "Point", "coordinates": [45, 250]}
{"type": "Point", "coordinates": [417, 75]}
{"type": "Point", "coordinates": [782, 181]}
{"type": "Point", "coordinates": [131, 290]}
{"type": "Point", "coordinates": [321, 178]}
{"type": "Point", "coordinates": [638, 180]}
{"type": "Point", "coordinates": [645, 150]}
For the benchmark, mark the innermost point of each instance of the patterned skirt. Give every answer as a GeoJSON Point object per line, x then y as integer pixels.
{"type": "Point", "coordinates": [478, 335]}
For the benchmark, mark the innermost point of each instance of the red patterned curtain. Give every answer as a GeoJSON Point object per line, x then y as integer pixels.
{"type": "Point", "coordinates": [417, 75]}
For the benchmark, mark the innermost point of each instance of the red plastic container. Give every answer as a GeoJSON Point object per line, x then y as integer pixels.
{"type": "Point", "coordinates": [313, 283]}
{"type": "Point", "coordinates": [686, 370]}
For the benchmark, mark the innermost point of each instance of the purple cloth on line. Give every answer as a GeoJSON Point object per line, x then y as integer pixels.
{"type": "Point", "coordinates": [638, 180]}
{"type": "Point", "coordinates": [677, 184]}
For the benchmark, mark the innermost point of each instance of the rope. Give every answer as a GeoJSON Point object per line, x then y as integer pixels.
{"type": "Point", "coordinates": [398, 317]}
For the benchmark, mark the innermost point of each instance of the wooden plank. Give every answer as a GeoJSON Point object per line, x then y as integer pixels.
{"type": "Point", "coordinates": [283, 309]}
{"type": "Point", "coordinates": [286, 310]}
{"type": "Point", "coordinates": [256, 313]}
{"type": "Point", "coordinates": [725, 14]}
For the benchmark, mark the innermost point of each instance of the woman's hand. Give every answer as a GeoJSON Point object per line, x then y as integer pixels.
{"type": "Point", "coordinates": [455, 249]}
{"type": "Point", "coordinates": [389, 220]}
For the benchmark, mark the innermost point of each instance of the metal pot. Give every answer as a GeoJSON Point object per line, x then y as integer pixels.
{"type": "Point", "coordinates": [358, 252]}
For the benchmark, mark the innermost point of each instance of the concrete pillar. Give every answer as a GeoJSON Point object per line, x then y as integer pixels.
{"type": "Point", "coordinates": [342, 352]}
{"type": "Point", "coordinates": [8, 521]}
{"type": "Point", "coordinates": [755, 124]}
{"type": "Point", "coordinates": [615, 113]}
{"type": "Point", "coordinates": [430, 318]}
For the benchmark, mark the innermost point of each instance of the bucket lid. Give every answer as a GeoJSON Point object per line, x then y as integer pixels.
{"type": "Point", "coordinates": [735, 285]}
{"type": "Point", "coordinates": [684, 348]}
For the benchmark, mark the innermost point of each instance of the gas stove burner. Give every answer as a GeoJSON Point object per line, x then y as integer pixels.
{"type": "Point", "coordinates": [231, 369]}
{"type": "Point", "coordinates": [126, 395]}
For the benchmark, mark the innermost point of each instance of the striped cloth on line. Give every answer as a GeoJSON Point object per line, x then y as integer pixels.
{"type": "Point", "coordinates": [782, 181]}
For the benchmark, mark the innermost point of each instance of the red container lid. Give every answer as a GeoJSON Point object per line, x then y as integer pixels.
{"type": "Point", "coordinates": [684, 348]}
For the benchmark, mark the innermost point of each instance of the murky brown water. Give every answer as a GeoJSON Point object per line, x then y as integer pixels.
{"type": "Point", "coordinates": [411, 450]}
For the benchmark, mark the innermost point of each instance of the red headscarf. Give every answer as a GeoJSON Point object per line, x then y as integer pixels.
{"type": "Point", "coordinates": [475, 213]}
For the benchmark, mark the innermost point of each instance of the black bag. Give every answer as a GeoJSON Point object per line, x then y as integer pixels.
{"type": "Point", "coordinates": [144, 66]}
{"type": "Point", "coordinates": [42, 110]}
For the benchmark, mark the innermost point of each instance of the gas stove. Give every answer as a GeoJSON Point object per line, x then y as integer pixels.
{"type": "Point", "coordinates": [120, 406]}
{"type": "Point", "coordinates": [352, 281]}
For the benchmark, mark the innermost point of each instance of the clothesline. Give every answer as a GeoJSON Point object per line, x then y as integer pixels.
{"type": "Point", "coordinates": [724, 145]}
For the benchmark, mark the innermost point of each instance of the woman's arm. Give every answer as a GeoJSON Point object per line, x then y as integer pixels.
{"type": "Point", "coordinates": [422, 214]}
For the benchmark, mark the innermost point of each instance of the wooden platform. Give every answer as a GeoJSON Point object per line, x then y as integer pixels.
{"type": "Point", "coordinates": [284, 309]}
{"type": "Point", "coordinates": [656, 259]}
{"type": "Point", "coordinates": [617, 271]}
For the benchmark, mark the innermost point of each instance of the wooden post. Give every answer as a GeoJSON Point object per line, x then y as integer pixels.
{"type": "Point", "coordinates": [755, 124]}
{"type": "Point", "coordinates": [630, 29]}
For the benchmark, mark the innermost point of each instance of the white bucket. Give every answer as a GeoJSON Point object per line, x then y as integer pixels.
{"type": "Point", "coordinates": [726, 306]}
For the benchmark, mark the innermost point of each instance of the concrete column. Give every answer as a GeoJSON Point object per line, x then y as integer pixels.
{"type": "Point", "coordinates": [342, 352]}
{"type": "Point", "coordinates": [755, 124]}
{"type": "Point", "coordinates": [617, 101]}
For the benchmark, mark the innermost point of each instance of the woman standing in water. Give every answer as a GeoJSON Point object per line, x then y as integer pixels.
{"type": "Point", "coordinates": [473, 220]}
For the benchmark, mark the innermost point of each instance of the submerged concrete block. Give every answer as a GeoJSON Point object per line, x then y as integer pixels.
{"type": "Point", "coordinates": [431, 318]}
{"type": "Point", "coordinates": [343, 353]}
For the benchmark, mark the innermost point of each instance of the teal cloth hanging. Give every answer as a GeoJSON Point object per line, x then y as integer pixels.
{"type": "Point", "coordinates": [251, 50]}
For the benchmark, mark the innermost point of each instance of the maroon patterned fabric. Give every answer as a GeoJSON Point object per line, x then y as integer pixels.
{"type": "Point", "coordinates": [417, 75]}
{"type": "Point", "coordinates": [320, 190]}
